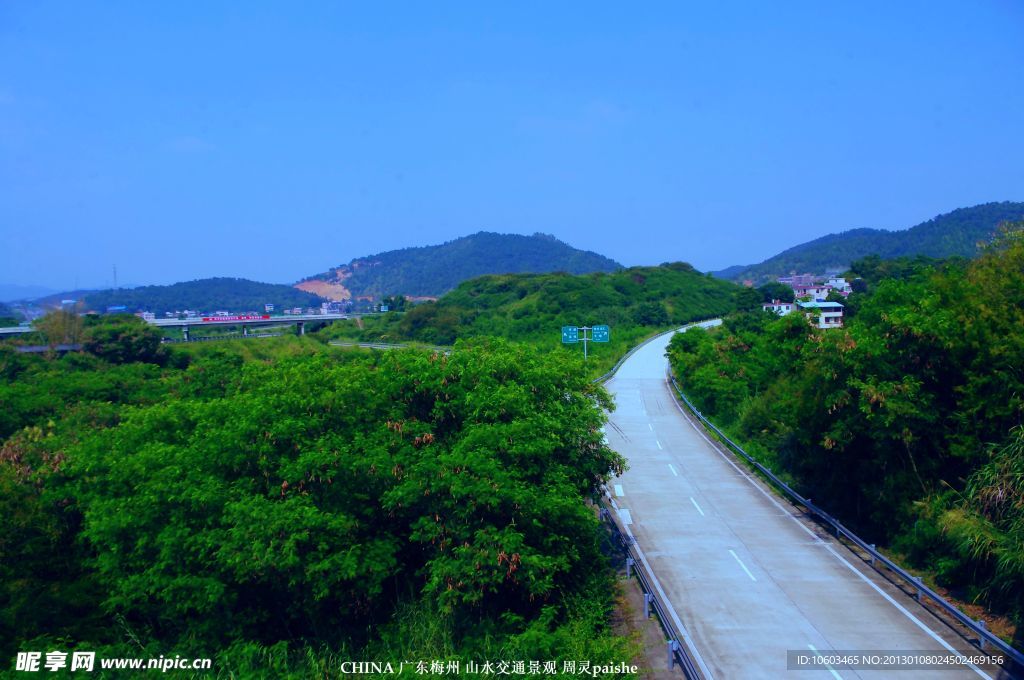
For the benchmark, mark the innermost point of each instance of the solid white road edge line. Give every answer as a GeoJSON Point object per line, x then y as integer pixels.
{"type": "Point", "coordinates": [671, 610]}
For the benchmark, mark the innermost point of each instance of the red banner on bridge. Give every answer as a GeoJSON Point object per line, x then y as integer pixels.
{"type": "Point", "coordinates": [239, 317]}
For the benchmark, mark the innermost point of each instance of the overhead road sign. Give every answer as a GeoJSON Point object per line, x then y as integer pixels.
{"type": "Point", "coordinates": [573, 334]}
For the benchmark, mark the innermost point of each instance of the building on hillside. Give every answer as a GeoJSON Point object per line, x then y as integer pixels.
{"type": "Point", "coordinates": [268, 308]}
{"type": "Point", "coordinates": [146, 316]}
{"type": "Point", "coordinates": [779, 307]}
{"type": "Point", "coordinates": [815, 292]}
{"type": "Point", "coordinates": [823, 314]}
{"type": "Point", "coordinates": [839, 284]}
{"type": "Point", "coordinates": [794, 279]}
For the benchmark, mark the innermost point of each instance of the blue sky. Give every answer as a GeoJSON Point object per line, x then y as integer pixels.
{"type": "Point", "coordinates": [274, 140]}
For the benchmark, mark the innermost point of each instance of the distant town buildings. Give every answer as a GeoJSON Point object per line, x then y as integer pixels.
{"type": "Point", "coordinates": [815, 288]}
{"type": "Point", "coordinates": [794, 280]}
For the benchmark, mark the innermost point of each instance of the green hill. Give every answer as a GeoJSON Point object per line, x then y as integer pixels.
{"type": "Point", "coordinates": [430, 271]}
{"type": "Point", "coordinates": [206, 295]}
{"type": "Point", "coordinates": [531, 308]}
{"type": "Point", "coordinates": [954, 234]}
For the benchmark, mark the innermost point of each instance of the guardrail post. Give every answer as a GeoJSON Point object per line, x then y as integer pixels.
{"type": "Point", "coordinates": [647, 605]}
{"type": "Point", "coordinates": [981, 638]}
{"type": "Point", "coordinates": [629, 567]}
{"type": "Point", "coordinates": [871, 555]}
{"type": "Point", "coordinates": [917, 595]}
{"type": "Point", "coordinates": [672, 646]}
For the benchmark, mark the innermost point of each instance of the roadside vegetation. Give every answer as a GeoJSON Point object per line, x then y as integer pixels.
{"type": "Point", "coordinates": [282, 505]}
{"type": "Point", "coordinates": [906, 424]}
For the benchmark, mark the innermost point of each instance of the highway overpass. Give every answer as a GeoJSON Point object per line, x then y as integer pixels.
{"type": "Point", "coordinates": [746, 575]}
{"type": "Point", "coordinates": [246, 321]}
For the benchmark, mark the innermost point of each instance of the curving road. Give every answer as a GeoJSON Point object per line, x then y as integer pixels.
{"type": "Point", "coordinates": [747, 577]}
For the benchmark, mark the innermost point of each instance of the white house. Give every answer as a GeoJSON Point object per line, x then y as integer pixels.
{"type": "Point", "coordinates": [779, 307]}
{"type": "Point", "coordinates": [824, 314]}
{"type": "Point", "coordinates": [840, 284]}
{"type": "Point", "coordinates": [815, 292]}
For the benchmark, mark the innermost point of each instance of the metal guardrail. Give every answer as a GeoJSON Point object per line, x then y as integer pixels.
{"type": "Point", "coordinates": [677, 652]}
{"type": "Point", "coordinates": [985, 637]}
{"type": "Point", "coordinates": [389, 345]}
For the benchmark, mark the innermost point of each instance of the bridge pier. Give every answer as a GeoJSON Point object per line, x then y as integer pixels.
{"type": "Point", "coordinates": [302, 327]}
{"type": "Point", "coordinates": [184, 332]}
{"type": "Point", "coordinates": [245, 331]}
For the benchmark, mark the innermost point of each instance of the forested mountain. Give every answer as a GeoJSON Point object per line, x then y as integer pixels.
{"type": "Point", "coordinates": [434, 270]}
{"type": "Point", "coordinates": [207, 295]}
{"type": "Point", "coordinates": [954, 234]}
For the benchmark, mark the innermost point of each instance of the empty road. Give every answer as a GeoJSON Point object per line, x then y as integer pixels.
{"type": "Point", "coordinates": [747, 577]}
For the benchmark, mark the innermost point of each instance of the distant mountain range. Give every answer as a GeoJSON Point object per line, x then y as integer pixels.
{"type": "Point", "coordinates": [10, 292]}
{"type": "Point", "coordinates": [431, 271]}
{"type": "Point", "coordinates": [206, 295]}
{"type": "Point", "coordinates": [955, 233]}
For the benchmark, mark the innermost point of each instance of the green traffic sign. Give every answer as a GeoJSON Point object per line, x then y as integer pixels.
{"type": "Point", "coordinates": [600, 333]}
{"type": "Point", "coordinates": [570, 334]}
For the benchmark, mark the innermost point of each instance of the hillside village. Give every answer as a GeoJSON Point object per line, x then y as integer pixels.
{"type": "Point", "coordinates": [810, 295]}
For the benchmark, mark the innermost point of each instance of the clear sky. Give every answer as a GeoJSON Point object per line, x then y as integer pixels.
{"type": "Point", "coordinates": [179, 140]}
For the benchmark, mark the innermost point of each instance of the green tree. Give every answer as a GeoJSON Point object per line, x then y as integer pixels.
{"type": "Point", "coordinates": [304, 502]}
{"type": "Point", "coordinates": [60, 327]}
{"type": "Point", "coordinates": [748, 299]}
{"type": "Point", "coordinates": [650, 314]}
{"type": "Point", "coordinates": [773, 290]}
{"type": "Point", "coordinates": [123, 339]}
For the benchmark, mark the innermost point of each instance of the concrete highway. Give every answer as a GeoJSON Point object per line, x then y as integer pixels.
{"type": "Point", "coordinates": [747, 576]}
